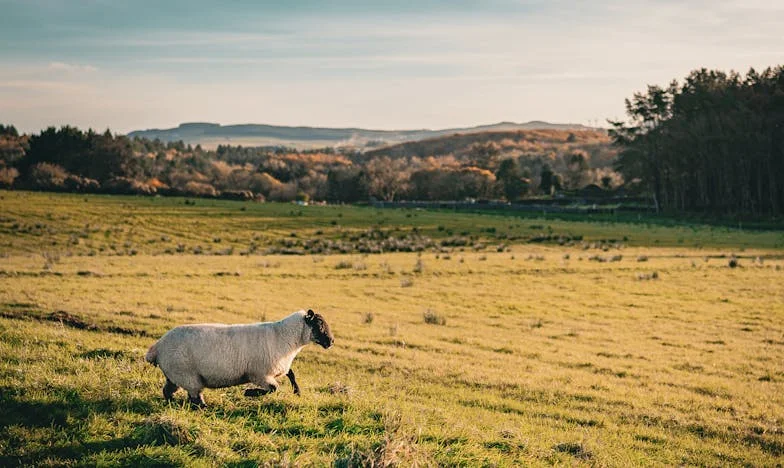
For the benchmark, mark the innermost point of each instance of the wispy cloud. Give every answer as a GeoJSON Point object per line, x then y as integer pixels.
{"type": "Point", "coordinates": [385, 64]}
{"type": "Point", "coordinates": [40, 85]}
{"type": "Point", "coordinates": [71, 67]}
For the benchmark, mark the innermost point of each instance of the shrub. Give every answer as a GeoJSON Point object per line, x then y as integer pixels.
{"type": "Point", "coordinates": [537, 323]}
{"type": "Point", "coordinates": [199, 189]}
{"type": "Point", "coordinates": [398, 448]}
{"type": "Point", "coordinates": [126, 186]}
{"type": "Point", "coordinates": [369, 317]}
{"type": "Point", "coordinates": [166, 429]}
{"type": "Point", "coordinates": [336, 388]}
{"type": "Point", "coordinates": [75, 183]}
{"type": "Point", "coordinates": [576, 450]}
{"type": "Point", "coordinates": [434, 318]}
{"type": "Point", "coordinates": [283, 192]}
{"type": "Point", "coordinates": [386, 267]}
{"type": "Point", "coordinates": [241, 195]}
{"type": "Point", "coordinates": [7, 176]}
{"type": "Point", "coordinates": [50, 259]}
{"type": "Point", "coordinates": [45, 176]}
{"type": "Point", "coordinates": [646, 276]}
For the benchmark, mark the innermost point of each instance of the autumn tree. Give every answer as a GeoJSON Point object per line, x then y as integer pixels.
{"type": "Point", "coordinates": [549, 181]}
{"type": "Point", "coordinates": [510, 177]}
{"type": "Point", "coordinates": [484, 155]}
{"type": "Point", "coordinates": [346, 185]}
{"type": "Point", "coordinates": [577, 167]}
{"type": "Point", "coordinates": [386, 177]}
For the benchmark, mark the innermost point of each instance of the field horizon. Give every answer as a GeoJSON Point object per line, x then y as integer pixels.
{"type": "Point", "coordinates": [461, 338]}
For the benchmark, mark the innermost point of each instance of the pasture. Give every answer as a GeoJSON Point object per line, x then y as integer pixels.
{"type": "Point", "coordinates": [480, 340]}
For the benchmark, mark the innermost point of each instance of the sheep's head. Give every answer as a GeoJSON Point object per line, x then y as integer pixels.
{"type": "Point", "coordinates": [320, 332]}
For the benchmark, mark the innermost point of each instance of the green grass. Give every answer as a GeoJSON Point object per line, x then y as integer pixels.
{"type": "Point", "coordinates": [540, 355]}
{"type": "Point", "coordinates": [119, 225]}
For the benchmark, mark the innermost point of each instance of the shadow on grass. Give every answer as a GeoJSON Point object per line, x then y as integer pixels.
{"type": "Point", "coordinates": [274, 408]}
{"type": "Point", "coordinates": [19, 311]}
{"type": "Point", "coordinates": [65, 411]}
{"type": "Point", "coordinates": [61, 404]}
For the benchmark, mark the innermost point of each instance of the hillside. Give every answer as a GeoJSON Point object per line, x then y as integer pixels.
{"type": "Point", "coordinates": [481, 165]}
{"type": "Point", "coordinates": [210, 135]}
{"type": "Point", "coordinates": [544, 145]}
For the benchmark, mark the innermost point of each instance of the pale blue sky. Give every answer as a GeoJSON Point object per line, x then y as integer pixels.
{"type": "Point", "coordinates": [141, 64]}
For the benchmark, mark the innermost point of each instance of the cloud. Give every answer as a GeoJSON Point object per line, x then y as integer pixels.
{"type": "Point", "coordinates": [71, 67]}
{"type": "Point", "coordinates": [429, 63]}
{"type": "Point", "coordinates": [39, 85]}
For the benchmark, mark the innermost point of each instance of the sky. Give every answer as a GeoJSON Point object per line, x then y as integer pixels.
{"type": "Point", "coordinates": [138, 64]}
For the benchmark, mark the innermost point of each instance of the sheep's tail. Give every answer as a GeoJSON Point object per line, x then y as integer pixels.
{"type": "Point", "coordinates": [152, 354]}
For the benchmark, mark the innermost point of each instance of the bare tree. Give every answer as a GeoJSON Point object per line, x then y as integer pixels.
{"type": "Point", "coordinates": [386, 177]}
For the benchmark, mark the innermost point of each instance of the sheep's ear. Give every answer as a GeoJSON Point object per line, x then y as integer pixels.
{"type": "Point", "coordinates": [310, 314]}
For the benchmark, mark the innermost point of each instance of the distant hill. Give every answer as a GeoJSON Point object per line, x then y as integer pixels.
{"type": "Point", "coordinates": [541, 142]}
{"type": "Point", "coordinates": [210, 135]}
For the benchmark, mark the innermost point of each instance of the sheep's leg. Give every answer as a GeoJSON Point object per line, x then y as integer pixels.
{"type": "Point", "coordinates": [255, 392]}
{"type": "Point", "coordinates": [194, 385]}
{"type": "Point", "coordinates": [168, 389]}
{"type": "Point", "coordinates": [196, 400]}
{"type": "Point", "coordinates": [293, 381]}
{"type": "Point", "coordinates": [268, 385]}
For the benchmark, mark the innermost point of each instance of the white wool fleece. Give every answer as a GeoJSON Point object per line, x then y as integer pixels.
{"type": "Point", "coordinates": [214, 355]}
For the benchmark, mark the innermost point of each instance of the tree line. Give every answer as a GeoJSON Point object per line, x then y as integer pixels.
{"type": "Point", "coordinates": [510, 167]}
{"type": "Point", "coordinates": [713, 143]}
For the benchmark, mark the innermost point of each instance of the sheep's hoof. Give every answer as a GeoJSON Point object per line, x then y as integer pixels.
{"type": "Point", "coordinates": [197, 403]}
{"type": "Point", "coordinates": [256, 392]}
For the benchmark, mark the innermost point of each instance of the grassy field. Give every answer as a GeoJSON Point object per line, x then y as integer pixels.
{"type": "Point", "coordinates": [496, 340]}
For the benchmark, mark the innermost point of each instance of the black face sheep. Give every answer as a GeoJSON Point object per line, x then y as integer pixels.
{"type": "Point", "coordinates": [201, 356]}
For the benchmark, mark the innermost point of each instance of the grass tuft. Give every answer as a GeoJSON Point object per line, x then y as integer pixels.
{"type": "Point", "coordinates": [434, 318]}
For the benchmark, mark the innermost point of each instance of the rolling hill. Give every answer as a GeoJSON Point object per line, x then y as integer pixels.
{"type": "Point", "coordinates": [210, 135]}
{"type": "Point", "coordinates": [521, 140]}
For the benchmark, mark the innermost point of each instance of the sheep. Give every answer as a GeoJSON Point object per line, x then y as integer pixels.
{"type": "Point", "coordinates": [194, 357]}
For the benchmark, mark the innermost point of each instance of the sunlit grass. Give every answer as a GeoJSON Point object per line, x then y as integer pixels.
{"type": "Point", "coordinates": [35, 223]}
{"type": "Point", "coordinates": [543, 356]}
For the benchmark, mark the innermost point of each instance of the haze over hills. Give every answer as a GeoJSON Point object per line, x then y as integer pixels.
{"type": "Point", "coordinates": [210, 135]}
{"type": "Point", "coordinates": [542, 143]}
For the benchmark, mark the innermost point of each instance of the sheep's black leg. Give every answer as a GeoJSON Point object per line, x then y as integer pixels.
{"type": "Point", "coordinates": [293, 380]}
{"type": "Point", "coordinates": [168, 389]}
{"type": "Point", "coordinates": [254, 392]}
{"type": "Point", "coordinates": [196, 401]}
